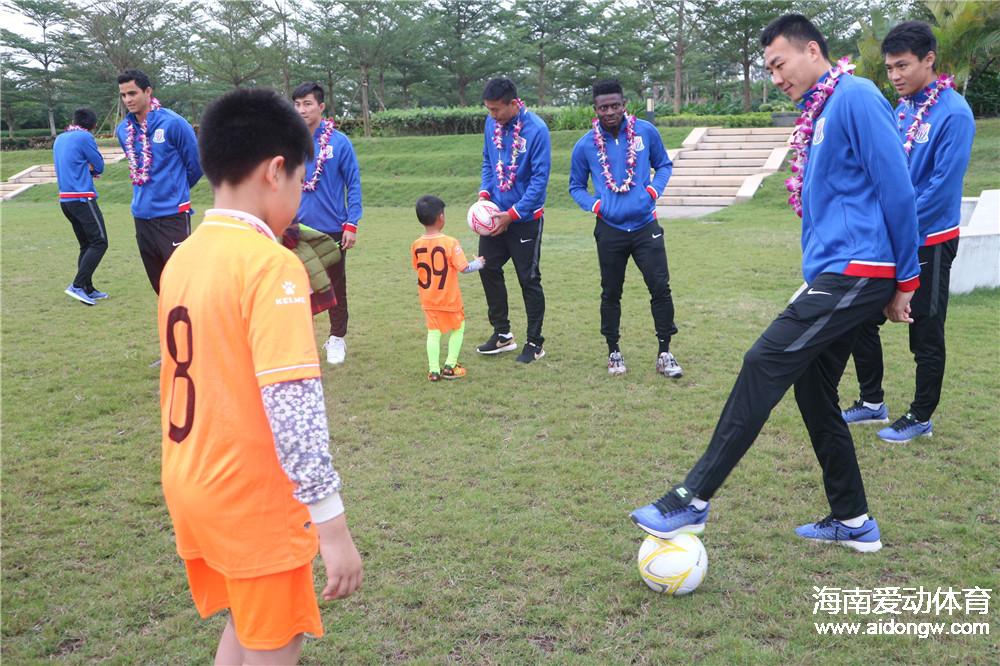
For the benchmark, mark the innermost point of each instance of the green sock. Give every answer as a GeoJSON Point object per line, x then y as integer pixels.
{"type": "Point", "coordinates": [433, 350]}
{"type": "Point", "coordinates": [455, 345]}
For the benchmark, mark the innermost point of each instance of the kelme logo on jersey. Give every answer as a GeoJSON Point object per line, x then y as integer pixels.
{"type": "Point", "coordinates": [289, 298]}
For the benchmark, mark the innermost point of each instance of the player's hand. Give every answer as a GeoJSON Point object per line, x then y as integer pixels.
{"type": "Point", "coordinates": [344, 570]}
{"type": "Point", "coordinates": [898, 309]}
{"type": "Point", "coordinates": [503, 221]}
{"type": "Point", "coordinates": [481, 260]}
{"type": "Point", "coordinates": [348, 240]}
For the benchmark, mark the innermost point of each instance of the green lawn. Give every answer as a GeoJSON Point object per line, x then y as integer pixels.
{"type": "Point", "coordinates": [491, 512]}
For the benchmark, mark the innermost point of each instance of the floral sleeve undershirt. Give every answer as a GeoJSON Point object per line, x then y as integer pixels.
{"type": "Point", "coordinates": [297, 414]}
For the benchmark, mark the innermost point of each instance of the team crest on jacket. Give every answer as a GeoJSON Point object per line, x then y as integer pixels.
{"type": "Point", "coordinates": [638, 144]}
{"type": "Point", "coordinates": [158, 136]}
{"type": "Point", "coordinates": [327, 151]}
{"type": "Point", "coordinates": [818, 135]}
{"type": "Point", "coordinates": [522, 145]}
{"type": "Point", "coordinates": [923, 133]}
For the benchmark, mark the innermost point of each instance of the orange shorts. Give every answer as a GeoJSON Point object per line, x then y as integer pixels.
{"type": "Point", "coordinates": [267, 611]}
{"type": "Point", "coordinates": [441, 320]}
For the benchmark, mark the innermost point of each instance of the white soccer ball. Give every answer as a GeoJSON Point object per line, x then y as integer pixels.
{"type": "Point", "coordinates": [673, 566]}
{"type": "Point", "coordinates": [480, 217]}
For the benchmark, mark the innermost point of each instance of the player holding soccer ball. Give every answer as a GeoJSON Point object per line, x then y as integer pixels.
{"type": "Point", "coordinates": [859, 258]}
{"type": "Point", "coordinates": [438, 259]}
{"type": "Point", "coordinates": [516, 161]}
{"type": "Point", "coordinates": [247, 474]}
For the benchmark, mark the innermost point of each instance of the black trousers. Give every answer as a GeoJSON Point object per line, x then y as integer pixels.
{"type": "Point", "coordinates": [806, 346]}
{"type": "Point", "coordinates": [522, 242]}
{"type": "Point", "coordinates": [157, 238]}
{"type": "Point", "coordinates": [338, 278]}
{"type": "Point", "coordinates": [647, 249]}
{"type": "Point", "coordinates": [91, 235]}
{"type": "Point", "coordinates": [929, 309]}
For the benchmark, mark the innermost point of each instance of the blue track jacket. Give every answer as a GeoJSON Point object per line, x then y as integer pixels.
{"type": "Point", "coordinates": [77, 160]}
{"type": "Point", "coordinates": [175, 170]}
{"type": "Point", "coordinates": [858, 212]}
{"type": "Point", "coordinates": [938, 160]}
{"type": "Point", "coordinates": [526, 199]}
{"type": "Point", "coordinates": [630, 210]}
{"type": "Point", "coordinates": [335, 205]}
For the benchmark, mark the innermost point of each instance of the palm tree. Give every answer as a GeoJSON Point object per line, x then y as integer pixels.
{"type": "Point", "coordinates": [968, 35]}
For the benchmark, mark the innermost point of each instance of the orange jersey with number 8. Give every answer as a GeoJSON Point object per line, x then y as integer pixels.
{"type": "Point", "coordinates": [234, 316]}
{"type": "Point", "coordinates": [438, 260]}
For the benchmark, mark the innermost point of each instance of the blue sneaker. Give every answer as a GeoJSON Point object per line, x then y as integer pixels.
{"type": "Point", "coordinates": [79, 294]}
{"type": "Point", "coordinates": [864, 539]}
{"type": "Point", "coordinates": [667, 522]}
{"type": "Point", "coordinates": [906, 428]}
{"type": "Point", "coordinates": [858, 413]}
{"type": "Point", "coordinates": [96, 295]}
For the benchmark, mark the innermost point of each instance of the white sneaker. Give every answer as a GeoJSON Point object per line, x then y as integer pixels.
{"type": "Point", "coordinates": [336, 350]}
{"type": "Point", "coordinates": [668, 366]}
{"type": "Point", "coordinates": [616, 364]}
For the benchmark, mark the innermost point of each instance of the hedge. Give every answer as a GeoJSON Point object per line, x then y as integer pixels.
{"type": "Point", "coordinates": [471, 119]}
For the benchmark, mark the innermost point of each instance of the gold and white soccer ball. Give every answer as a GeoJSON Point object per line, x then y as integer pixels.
{"type": "Point", "coordinates": [673, 566]}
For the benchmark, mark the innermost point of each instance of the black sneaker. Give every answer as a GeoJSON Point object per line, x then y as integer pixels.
{"type": "Point", "coordinates": [497, 344]}
{"type": "Point", "coordinates": [531, 352]}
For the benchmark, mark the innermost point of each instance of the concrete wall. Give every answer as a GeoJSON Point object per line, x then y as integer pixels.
{"type": "Point", "coordinates": [978, 261]}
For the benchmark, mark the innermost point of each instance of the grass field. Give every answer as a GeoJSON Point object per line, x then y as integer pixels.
{"type": "Point", "coordinates": [491, 512]}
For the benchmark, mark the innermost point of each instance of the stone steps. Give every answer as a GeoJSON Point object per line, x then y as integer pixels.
{"type": "Point", "coordinates": [695, 201]}
{"type": "Point", "coordinates": [706, 180]}
{"type": "Point", "coordinates": [685, 171]}
{"type": "Point", "coordinates": [757, 146]}
{"type": "Point", "coordinates": [700, 154]}
{"type": "Point", "coordinates": [699, 191]}
{"type": "Point", "coordinates": [719, 166]}
{"type": "Point", "coordinates": [745, 139]}
{"type": "Point", "coordinates": [694, 162]}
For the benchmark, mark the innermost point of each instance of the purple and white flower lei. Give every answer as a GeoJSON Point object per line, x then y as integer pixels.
{"type": "Point", "coordinates": [505, 180]}
{"type": "Point", "coordinates": [324, 141]}
{"type": "Point", "coordinates": [802, 136]}
{"type": "Point", "coordinates": [75, 128]}
{"type": "Point", "coordinates": [934, 91]}
{"type": "Point", "coordinates": [140, 175]}
{"type": "Point", "coordinates": [630, 159]}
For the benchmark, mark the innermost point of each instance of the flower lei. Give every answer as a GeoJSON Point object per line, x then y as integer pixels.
{"type": "Point", "coordinates": [602, 155]}
{"type": "Point", "coordinates": [324, 141]}
{"type": "Point", "coordinates": [140, 175]}
{"type": "Point", "coordinates": [802, 136]}
{"type": "Point", "coordinates": [934, 91]}
{"type": "Point", "coordinates": [506, 182]}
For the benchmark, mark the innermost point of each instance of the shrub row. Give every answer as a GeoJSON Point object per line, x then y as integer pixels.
{"type": "Point", "coordinates": [471, 119]}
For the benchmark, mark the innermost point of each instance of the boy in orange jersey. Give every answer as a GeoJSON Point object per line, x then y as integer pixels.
{"type": "Point", "coordinates": [247, 473]}
{"type": "Point", "coordinates": [437, 259]}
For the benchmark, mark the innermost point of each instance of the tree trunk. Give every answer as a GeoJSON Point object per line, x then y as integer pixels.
{"type": "Point", "coordinates": [52, 121]}
{"type": "Point", "coordinates": [9, 113]}
{"type": "Point", "coordinates": [381, 89]}
{"type": "Point", "coordinates": [462, 85]}
{"type": "Point", "coordinates": [679, 58]}
{"type": "Point", "coordinates": [541, 76]}
{"type": "Point", "coordinates": [364, 101]}
{"type": "Point", "coordinates": [747, 104]}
